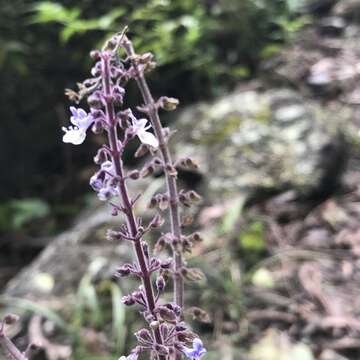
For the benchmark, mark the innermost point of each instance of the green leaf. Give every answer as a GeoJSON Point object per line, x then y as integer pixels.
{"type": "Point", "coordinates": [252, 239]}
{"type": "Point", "coordinates": [232, 215]}
{"type": "Point", "coordinates": [47, 11]}
{"type": "Point", "coordinates": [26, 210]}
{"type": "Point", "coordinates": [118, 318]}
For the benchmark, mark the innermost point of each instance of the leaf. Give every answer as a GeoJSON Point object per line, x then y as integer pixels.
{"type": "Point", "coordinates": [118, 318]}
{"type": "Point", "coordinates": [87, 300]}
{"type": "Point", "coordinates": [26, 210]}
{"type": "Point", "coordinates": [47, 11]}
{"type": "Point", "coordinates": [232, 215]}
{"type": "Point", "coordinates": [252, 239]}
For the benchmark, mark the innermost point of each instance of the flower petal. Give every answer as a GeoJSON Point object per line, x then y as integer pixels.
{"type": "Point", "coordinates": [74, 136]}
{"type": "Point", "coordinates": [148, 138]}
{"type": "Point", "coordinates": [197, 344]}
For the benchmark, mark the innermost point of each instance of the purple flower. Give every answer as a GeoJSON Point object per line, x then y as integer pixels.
{"type": "Point", "coordinates": [197, 350]}
{"type": "Point", "coordinates": [139, 127]}
{"type": "Point", "coordinates": [132, 356]}
{"type": "Point", "coordinates": [81, 120]}
{"type": "Point", "coordinates": [106, 193]}
{"type": "Point", "coordinates": [101, 180]}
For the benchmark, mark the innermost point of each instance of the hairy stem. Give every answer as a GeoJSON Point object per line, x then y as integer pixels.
{"type": "Point", "coordinates": [170, 178]}
{"type": "Point", "coordinates": [11, 352]}
{"type": "Point", "coordinates": [125, 199]}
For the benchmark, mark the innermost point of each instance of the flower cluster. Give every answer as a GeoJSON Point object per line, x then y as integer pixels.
{"type": "Point", "coordinates": [167, 335]}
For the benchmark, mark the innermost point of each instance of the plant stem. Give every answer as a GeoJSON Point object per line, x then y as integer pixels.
{"type": "Point", "coordinates": [124, 196]}
{"type": "Point", "coordinates": [170, 178]}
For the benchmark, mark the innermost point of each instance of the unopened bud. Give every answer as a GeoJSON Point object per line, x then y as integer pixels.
{"type": "Point", "coordinates": [100, 157]}
{"type": "Point", "coordinates": [123, 270]}
{"type": "Point", "coordinates": [161, 349]}
{"type": "Point", "coordinates": [159, 245]}
{"type": "Point", "coordinates": [97, 127]}
{"type": "Point", "coordinates": [192, 274]}
{"type": "Point", "coordinates": [128, 300]}
{"type": "Point", "coordinates": [134, 174]}
{"type": "Point", "coordinates": [164, 202]}
{"type": "Point", "coordinates": [11, 319]}
{"type": "Point", "coordinates": [156, 222]}
{"type": "Point", "coordinates": [166, 264]}
{"type": "Point", "coordinates": [168, 103]}
{"type": "Point", "coordinates": [160, 283]}
{"type": "Point", "coordinates": [144, 335]}
{"type": "Point", "coordinates": [194, 196]}
{"type": "Point", "coordinates": [154, 324]}
{"type": "Point", "coordinates": [142, 150]}
{"type": "Point", "coordinates": [95, 54]}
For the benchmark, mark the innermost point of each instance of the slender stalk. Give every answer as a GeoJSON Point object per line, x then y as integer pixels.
{"type": "Point", "coordinates": [124, 196]}
{"type": "Point", "coordinates": [170, 178]}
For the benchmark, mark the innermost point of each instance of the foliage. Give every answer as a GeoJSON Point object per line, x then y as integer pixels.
{"type": "Point", "coordinates": [203, 48]}
{"type": "Point", "coordinates": [224, 40]}
{"type": "Point", "coordinates": [16, 214]}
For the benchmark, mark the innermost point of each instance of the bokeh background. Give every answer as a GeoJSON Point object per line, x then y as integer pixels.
{"type": "Point", "coordinates": [269, 108]}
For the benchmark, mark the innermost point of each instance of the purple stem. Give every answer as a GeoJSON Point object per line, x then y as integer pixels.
{"type": "Point", "coordinates": [125, 199]}
{"type": "Point", "coordinates": [10, 350]}
{"type": "Point", "coordinates": [170, 178]}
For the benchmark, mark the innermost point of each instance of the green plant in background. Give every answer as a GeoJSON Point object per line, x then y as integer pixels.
{"type": "Point", "coordinates": [179, 30]}
{"type": "Point", "coordinates": [16, 214]}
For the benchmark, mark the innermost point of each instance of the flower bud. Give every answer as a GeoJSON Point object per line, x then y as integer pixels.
{"type": "Point", "coordinates": [156, 222]}
{"type": "Point", "coordinates": [128, 300]}
{"type": "Point", "coordinates": [199, 314]}
{"type": "Point", "coordinates": [164, 202]}
{"type": "Point", "coordinates": [168, 103]}
{"type": "Point", "coordinates": [142, 150]}
{"type": "Point", "coordinates": [154, 264]}
{"type": "Point", "coordinates": [134, 174]}
{"type": "Point", "coordinates": [160, 283]}
{"type": "Point", "coordinates": [171, 170]}
{"type": "Point", "coordinates": [144, 335]}
{"type": "Point", "coordinates": [194, 196]}
{"type": "Point", "coordinates": [159, 245]}
{"type": "Point", "coordinates": [97, 181]}
{"type": "Point", "coordinates": [96, 70]}
{"type": "Point", "coordinates": [192, 274]}
{"type": "Point", "coordinates": [166, 264]}
{"type": "Point", "coordinates": [11, 319]}
{"type": "Point", "coordinates": [98, 126]}
{"type": "Point", "coordinates": [95, 54]}
{"type": "Point", "coordinates": [154, 324]}
{"type": "Point", "coordinates": [114, 211]}
{"type": "Point", "coordinates": [100, 156]}
{"type": "Point", "coordinates": [145, 247]}
{"type": "Point", "coordinates": [147, 170]}
{"type": "Point", "coordinates": [123, 270]}
{"type": "Point", "coordinates": [161, 349]}
{"type": "Point", "coordinates": [166, 314]}
{"type": "Point", "coordinates": [118, 93]}
{"type": "Point", "coordinates": [94, 100]}
{"type": "Point", "coordinates": [145, 58]}
{"type": "Point", "coordinates": [112, 235]}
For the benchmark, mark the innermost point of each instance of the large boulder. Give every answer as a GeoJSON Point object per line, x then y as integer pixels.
{"type": "Point", "coordinates": [268, 141]}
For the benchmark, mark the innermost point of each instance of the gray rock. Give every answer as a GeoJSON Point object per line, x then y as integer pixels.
{"type": "Point", "coordinates": [251, 140]}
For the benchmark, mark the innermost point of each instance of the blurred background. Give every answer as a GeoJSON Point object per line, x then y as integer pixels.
{"type": "Point", "coordinates": [270, 110]}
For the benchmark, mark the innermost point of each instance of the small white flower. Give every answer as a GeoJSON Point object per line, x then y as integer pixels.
{"type": "Point", "coordinates": [132, 356]}
{"type": "Point", "coordinates": [81, 120]}
{"type": "Point", "coordinates": [140, 129]}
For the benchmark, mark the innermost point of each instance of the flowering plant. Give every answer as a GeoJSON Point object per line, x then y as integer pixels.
{"type": "Point", "coordinates": [166, 336]}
